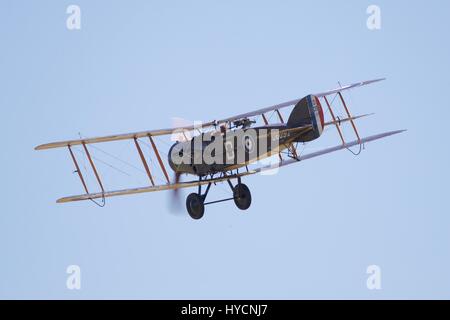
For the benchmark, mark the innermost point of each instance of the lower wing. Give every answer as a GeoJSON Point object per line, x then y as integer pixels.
{"type": "Point", "coordinates": [188, 184]}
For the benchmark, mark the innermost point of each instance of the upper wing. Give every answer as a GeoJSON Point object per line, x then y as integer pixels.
{"type": "Point", "coordinates": [348, 87]}
{"type": "Point", "coordinates": [260, 111]}
{"type": "Point", "coordinates": [160, 132]}
{"type": "Point", "coordinates": [125, 136]}
{"type": "Point", "coordinates": [294, 102]}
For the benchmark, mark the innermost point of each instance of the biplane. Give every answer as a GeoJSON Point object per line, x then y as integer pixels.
{"type": "Point", "coordinates": [222, 150]}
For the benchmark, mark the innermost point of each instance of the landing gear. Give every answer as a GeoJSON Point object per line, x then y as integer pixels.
{"type": "Point", "coordinates": [195, 206]}
{"type": "Point", "coordinates": [242, 196]}
{"type": "Point", "coordinates": [195, 202]}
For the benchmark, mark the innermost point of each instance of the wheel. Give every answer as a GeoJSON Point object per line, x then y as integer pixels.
{"type": "Point", "coordinates": [242, 196]}
{"type": "Point", "coordinates": [195, 206]}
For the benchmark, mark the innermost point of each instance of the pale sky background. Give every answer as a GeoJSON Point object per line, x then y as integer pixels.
{"type": "Point", "coordinates": [312, 229]}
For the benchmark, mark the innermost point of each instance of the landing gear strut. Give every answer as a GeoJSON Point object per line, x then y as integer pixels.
{"type": "Point", "coordinates": [195, 202]}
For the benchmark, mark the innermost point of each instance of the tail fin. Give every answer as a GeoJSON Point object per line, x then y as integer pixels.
{"type": "Point", "coordinates": [308, 111]}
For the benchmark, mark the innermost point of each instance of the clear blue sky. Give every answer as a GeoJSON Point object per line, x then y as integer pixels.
{"type": "Point", "coordinates": [312, 229]}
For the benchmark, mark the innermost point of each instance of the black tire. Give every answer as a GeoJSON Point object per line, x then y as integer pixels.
{"type": "Point", "coordinates": [195, 206]}
{"type": "Point", "coordinates": [242, 196]}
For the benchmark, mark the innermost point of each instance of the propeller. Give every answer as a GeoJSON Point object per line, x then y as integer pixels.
{"type": "Point", "coordinates": [175, 199]}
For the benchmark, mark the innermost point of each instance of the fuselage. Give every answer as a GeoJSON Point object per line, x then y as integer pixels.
{"type": "Point", "coordinates": [224, 150]}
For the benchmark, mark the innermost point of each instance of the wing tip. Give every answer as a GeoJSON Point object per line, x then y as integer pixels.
{"type": "Point", "coordinates": [51, 146]}
{"type": "Point", "coordinates": [379, 79]}
{"type": "Point", "coordinates": [62, 200]}
{"type": "Point", "coordinates": [391, 133]}
{"type": "Point", "coordinates": [39, 147]}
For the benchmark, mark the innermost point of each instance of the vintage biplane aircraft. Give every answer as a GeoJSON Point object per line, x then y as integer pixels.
{"type": "Point", "coordinates": [222, 150]}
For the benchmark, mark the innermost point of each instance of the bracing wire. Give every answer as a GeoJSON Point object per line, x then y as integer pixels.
{"type": "Point", "coordinates": [116, 158]}
{"type": "Point", "coordinates": [101, 205]}
{"type": "Point", "coordinates": [103, 202]}
{"type": "Point", "coordinates": [119, 159]}
{"type": "Point", "coordinates": [361, 146]}
{"type": "Point", "coordinates": [105, 163]}
{"type": "Point", "coordinates": [356, 153]}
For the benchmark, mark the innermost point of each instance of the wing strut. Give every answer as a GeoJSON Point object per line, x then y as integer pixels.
{"type": "Point", "coordinates": [338, 121]}
{"type": "Point", "coordinates": [265, 119]}
{"type": "Point", "coordinates": [291, 147]}
{"type": "Point", "coordinates": [280, 116]}
{"type": "Point", "coordinates": [97, 176]}
{"type": "Point", "coordinates": [349, 116]}
{"type": "Point", "coordinates": [159, 159]}
{"type": "Point", "coordinates": [78, 169]}
{"type": "Point", "coordinates": [83, 182]}
{"type": "Point", "coordinates": [93, 167]}
{"type": "Point", "coordinates": [141, 154]}
{"type": "Point", "coordinates": [266, 122]}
